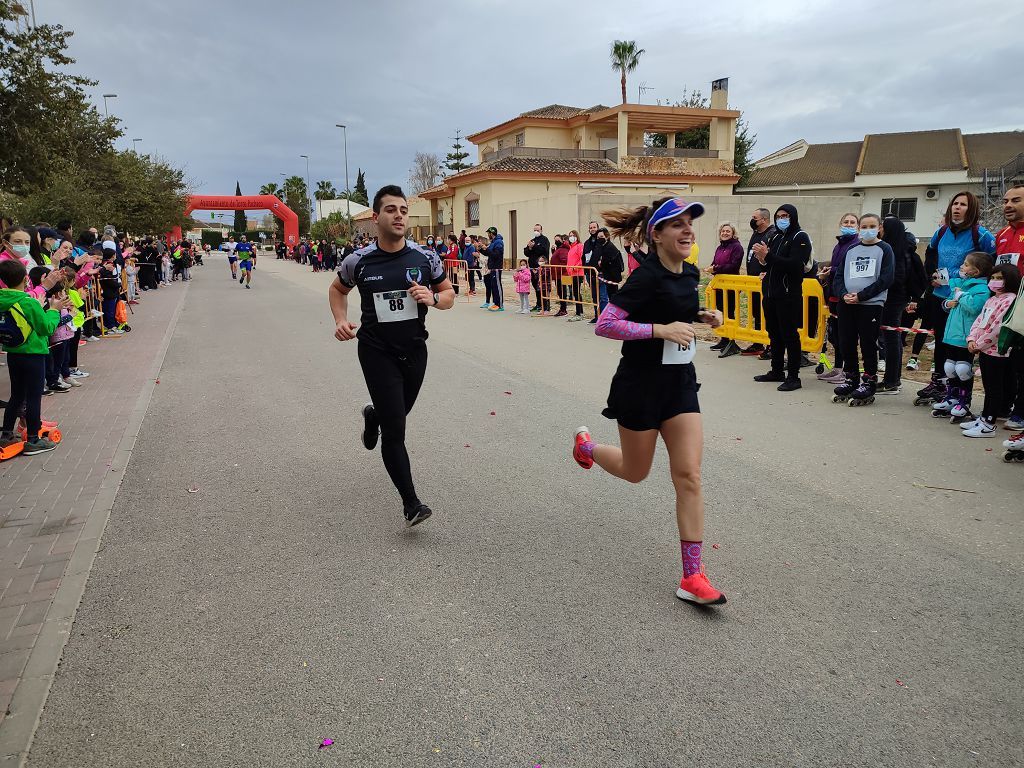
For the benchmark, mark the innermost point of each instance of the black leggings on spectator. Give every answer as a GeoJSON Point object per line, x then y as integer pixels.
{"type": "Point", "coordinates": [394, 382]}
{"type": "Point", "coordinates": [56, 363]}
{"type": "Point", "coordinates": [997, 378]}
{"type": "Point", "coordinates": [859, 322]}
{"type": "Point", "coordinates": [1016, 393]}
{"type": "Point", "coordinates": [28, 375]}
{"type": "Point", "coordinates": [72, 361]}
{"type": "Point", "coordinates": [783, 316]}
{"type": "Point", "coordinates": [892, 344]}
{"type": "Point", "coordinates": [730, 298]}
{"type": "Point", "coordinates": [577, 294]}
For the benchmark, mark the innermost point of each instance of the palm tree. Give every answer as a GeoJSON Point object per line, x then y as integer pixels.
{"type": "Point", "coordinates": [625, 57]}
{"type": "Point", "coordinates": [270, 189]}
{"type": "Point", "coordinates": [325, 191]}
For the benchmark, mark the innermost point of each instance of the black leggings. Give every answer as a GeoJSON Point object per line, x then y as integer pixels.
{"type": "Point", "coordinates": [997, 378]}
{"type": "Point", "coordinates": [859, 322]}
{"type": "Point", "coordinates": [783, 316]}
{"type": "Point", "coordinates": [394, 382]}
{"type": "Point", "coordinates": [28, 374]}
{"type": "Point", "coordinates": [892, 343]}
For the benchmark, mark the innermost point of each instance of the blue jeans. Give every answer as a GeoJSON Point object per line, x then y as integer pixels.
{"type": "Point", "coordinates": [605, 291]}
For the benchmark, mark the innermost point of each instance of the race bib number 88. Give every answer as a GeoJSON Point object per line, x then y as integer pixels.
{"type": "Point", "coordinates": [394, 306]}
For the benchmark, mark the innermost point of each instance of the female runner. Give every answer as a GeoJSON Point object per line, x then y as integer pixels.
{"type": "Point", "coordinates": [654, 390]}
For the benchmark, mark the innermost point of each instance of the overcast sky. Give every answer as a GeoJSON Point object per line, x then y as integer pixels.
{"type": "Point", "coordinates": [238, 90]}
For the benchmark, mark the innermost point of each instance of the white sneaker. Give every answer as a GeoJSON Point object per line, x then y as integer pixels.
{"type": "Point", "coordinates": [912, 364]}
{"type": "Point", "coordinates": [78, 373]}
{"type": "Point", "coordinates": [981, 429]}
{"type": "Point", "coordinates": [970, 424]}
{"type": "Point", "coordinates": [930, 345]}
{"type": "Point", "coordinates": [96, 313]}
{"type": "Point", "coordinates": [881, 365]}
{"type": "Point", "coordinates": [71, 381]}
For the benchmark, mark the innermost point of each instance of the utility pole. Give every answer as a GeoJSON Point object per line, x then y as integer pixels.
{"type": "Point", "coordinates": [309, 191]}
{"type": "Point", "coordinates": [348, 192]}
{"type": "Point", "coordinates": [105, 97]}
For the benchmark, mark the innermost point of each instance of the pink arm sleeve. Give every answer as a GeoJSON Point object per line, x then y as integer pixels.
{"type": "Point", "coordinates": [613, 325]}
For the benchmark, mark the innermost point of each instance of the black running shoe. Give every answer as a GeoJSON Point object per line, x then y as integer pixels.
{"type": "Point", "coordinates": [371, 429]}
{"type": "Point", "coordinates": [416, 515]}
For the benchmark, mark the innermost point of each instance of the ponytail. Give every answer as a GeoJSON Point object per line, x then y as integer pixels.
{"type": "Point", "coordinates": [631, 223]}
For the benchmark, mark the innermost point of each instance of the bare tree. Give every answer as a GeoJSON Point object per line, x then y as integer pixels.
{"type": "Point", "coordinates": [425, 172]}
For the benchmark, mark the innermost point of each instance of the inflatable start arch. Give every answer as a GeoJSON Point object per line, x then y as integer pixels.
{"type": "Point", "coordinates": [244, 203]}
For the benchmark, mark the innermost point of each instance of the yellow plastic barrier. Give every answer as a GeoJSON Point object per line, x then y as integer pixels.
{"type": "Point", "coordinates": [738, 328]}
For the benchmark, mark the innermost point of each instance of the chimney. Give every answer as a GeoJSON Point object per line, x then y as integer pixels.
{"type": "Point", "coordinates": [720, 93]}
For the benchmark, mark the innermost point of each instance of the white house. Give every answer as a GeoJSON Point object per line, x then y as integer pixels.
{"type": "Point", "coordinates": [913, 175]}
{"type": "Point", "coordinates": [327, 207]}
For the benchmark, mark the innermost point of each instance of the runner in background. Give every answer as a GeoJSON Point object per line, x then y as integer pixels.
{"type": "Point", "coordinates": [230, 247]}
{"type": "Point", "coordinates": [247, 260]}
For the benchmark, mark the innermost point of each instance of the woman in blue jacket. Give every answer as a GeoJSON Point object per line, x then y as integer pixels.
{"type": "Point", "coordinates": [959, 235]}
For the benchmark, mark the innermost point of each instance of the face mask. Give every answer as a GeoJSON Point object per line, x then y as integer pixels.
{"type": "Point", "coordinates": [572, 238]}
{"type": "Point", "coordinates": [869, 234]}
{"type": "Point", "coordinates": [557, 243]}
{"type": "Point", "coordinates": [21, 250]}
{"type": "Point", "coordinates": [847, 231]}
{"type": "Point", "coordinates": [753, 223]}
{"type": "Point", "coordinates": [782, 224]}
{"type": "Point", "coordinates": [430, 241]}
{"type": "Point", "coordinates": [601, 240]}
{"type": "Point", "coordinates": [536, 233]}
{"type": "Point", "coordinates": [996, 286]}
{"type": "Point", "coordinates": [54, 246]}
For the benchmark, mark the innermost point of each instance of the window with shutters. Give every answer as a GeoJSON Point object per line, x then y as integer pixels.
{"type": "Point", "coordinates": [521, 139]}
{"type": "Point", "coordinates": [473, 213]}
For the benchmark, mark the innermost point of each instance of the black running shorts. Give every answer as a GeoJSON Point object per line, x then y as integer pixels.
{"type": "Point", "coordinates": [643, 397]}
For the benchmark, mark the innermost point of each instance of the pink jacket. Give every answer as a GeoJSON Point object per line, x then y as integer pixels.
{"type": "Point", "coordinates": [985, 330]}
{"type": "Point", "coordinates": [575, 260]}
{"type": "Point", "coordinates": [523, 281]}
{"type": "Point", "coordinates": [32, 290]}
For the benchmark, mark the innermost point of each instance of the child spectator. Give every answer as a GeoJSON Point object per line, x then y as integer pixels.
{"type": "Point", "coordinates": [60, 340]}
{"type": "Point", "coordinates": [131, 269]}
{"type": "Point", "coordinates": [969, 292]}
{"type": "Point", "coordinates": [110, 290]}
{"type": "Point", "coordinates": [983, 340]}
{"type": "Point", "coordinates": [544, 283]}
{"type": "Point", "coordinates": [524, 282]}
{"type": "Point", "coordinates": [27, 350]}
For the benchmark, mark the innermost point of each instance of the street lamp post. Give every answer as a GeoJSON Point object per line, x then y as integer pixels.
{"type": "Point", "coordinates": [105, 97]}
{"type": "Point", "coordinates": [309, 189]}
{"type": "Point", "coordinates": [135, 143]}
{"type": "Point", "coordinates": [348, 192]}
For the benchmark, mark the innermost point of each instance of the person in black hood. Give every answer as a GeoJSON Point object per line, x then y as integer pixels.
{"type": "Point", "coordinates": [786, 255]}
{"type": "Point", "coordinates": [896, 300]}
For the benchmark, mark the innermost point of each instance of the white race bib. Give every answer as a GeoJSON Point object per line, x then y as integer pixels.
{"type": "Point", "coordinates": [1008, 258]}
{"type": "Point", "coordinates": [678, 354]}
{"type": "Point", "coordinates": [942, 276]}
{"type": "Point", "coordinates": [394, 306]}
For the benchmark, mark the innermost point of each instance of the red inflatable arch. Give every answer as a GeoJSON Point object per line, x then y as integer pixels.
{"type": "Point", "coordinates": [244, 203]}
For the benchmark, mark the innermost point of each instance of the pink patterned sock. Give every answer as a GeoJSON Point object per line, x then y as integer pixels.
{"type": "Point", "coordinates": [691, 556]}
{"type": "Point", "coordinates": [587, 449]}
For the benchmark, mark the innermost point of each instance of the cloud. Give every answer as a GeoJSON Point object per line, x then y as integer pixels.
{"type": "Point", "coordinates": [238, 90]}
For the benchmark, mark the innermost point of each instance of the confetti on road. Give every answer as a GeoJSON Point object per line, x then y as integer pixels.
{"type": "Point", "coordinates": [158, 381]}
{"type": "Point", "coordinates": [508, 393]}
{"type": "Point", "coordinates": [739, 438]}
{"type": "Point", "coordinates": [493, 413]}
{"type": "Point", "coordinates": [468, 445]}
{"type": "Point", "coordinates": [325, 743]}
{"type": "Point", "coordinates": [716, 546]}
{"type": "Point", "coordinates": [193, 489]}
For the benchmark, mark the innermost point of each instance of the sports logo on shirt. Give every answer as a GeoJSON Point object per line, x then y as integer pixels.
{"type": "Point", "coordinates": [413, 274]}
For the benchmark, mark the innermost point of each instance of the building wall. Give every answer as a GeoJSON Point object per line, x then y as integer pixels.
{"type": "Point", "coordinates": [819, 216]}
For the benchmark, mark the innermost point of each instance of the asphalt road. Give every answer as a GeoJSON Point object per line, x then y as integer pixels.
{"type": "Point", "coordinates": [872, 621]}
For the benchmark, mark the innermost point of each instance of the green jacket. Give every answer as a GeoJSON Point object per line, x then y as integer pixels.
{"type": "Point", "coordinates": [43, 323]}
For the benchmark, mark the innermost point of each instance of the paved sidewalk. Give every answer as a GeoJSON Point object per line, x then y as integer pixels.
{"type": "Point", "coordinates": [53, 508]}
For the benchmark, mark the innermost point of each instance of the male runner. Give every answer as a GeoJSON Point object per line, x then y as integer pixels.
{"type": "Point", "coordinates": [247, 261]}
{"type": "Point", "coordinates": [230, 247]}
{"type": "Point", "coordinates": [392, 275]}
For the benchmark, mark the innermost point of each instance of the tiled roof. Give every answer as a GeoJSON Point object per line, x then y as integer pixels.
{"type": "Point", "coordinates": [560, 111]}
{"type": "Point", "coordinates": [546, 165]}
{"type": "Point", "coordinates": [823, 164]}
{"type": "Point", "coordinates": [913, 152]}
{"type": "Point", "coordinates": [991, 150]}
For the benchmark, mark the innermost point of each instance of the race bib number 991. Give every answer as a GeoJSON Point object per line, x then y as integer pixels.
{"type": "Point", "coordinates": [394, 306]}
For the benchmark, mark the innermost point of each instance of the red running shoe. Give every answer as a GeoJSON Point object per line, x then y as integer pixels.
{"type": "Point", "coordinates": [582, 436]}
{"type": "Point", "coordinates": [697, 589]}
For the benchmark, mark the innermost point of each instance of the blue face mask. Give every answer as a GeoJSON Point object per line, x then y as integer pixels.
{"type": "Point", "coordinates": [847, 230]}
{"type": "Point", "coordinates": [21, 250]}
{"type": "Point", "coordinates": [782, 224]}
{"type": "Point", "coordinates": [869, 234]}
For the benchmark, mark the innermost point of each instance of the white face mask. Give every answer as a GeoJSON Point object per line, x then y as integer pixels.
{"type": "Point", "coordinates": [572, 238]}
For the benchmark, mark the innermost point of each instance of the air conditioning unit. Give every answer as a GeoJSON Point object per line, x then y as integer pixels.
{"type": "Point", "coordinates": [931, 194]}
